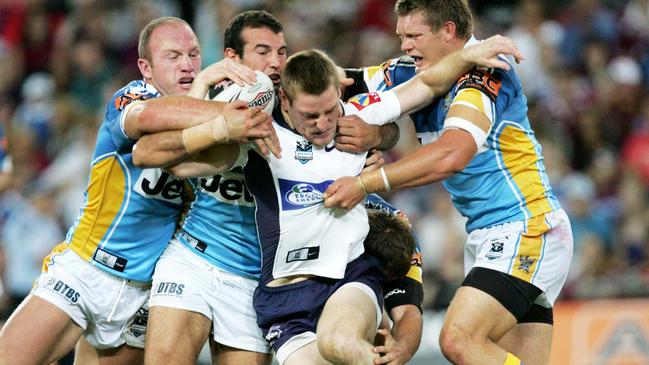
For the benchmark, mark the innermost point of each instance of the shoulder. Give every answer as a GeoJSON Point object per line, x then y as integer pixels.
{"type": "Point", "coordinates": [136, 90]}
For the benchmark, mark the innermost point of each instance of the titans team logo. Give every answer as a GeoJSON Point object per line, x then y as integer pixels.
{"type": "Point", "coordinates": [304, 151]}
{"type": "Point", "coordinates": [525, 263]}
{"type": "Point", "coordinates": [362, 101]}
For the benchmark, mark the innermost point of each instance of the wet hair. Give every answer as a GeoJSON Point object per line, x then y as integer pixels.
{"type": "Point", "coordinates": [437, 12]}
{"type": "Point", "coordinates": [248, 19]}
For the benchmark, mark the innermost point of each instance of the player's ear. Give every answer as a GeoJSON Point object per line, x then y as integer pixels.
{"type": "Point", "coordinates": [448, 30]}
{"type": "Point", "coordinates": [231, 53]}
{"type": "Point", "coordinates": [283, 98]}
{"type": "Point", "coordinates": [145, 68]}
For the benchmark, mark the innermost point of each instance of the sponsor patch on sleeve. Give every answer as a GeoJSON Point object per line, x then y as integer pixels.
{"type": "Point", "coordinates": [128, 97]}
{"type": "Point", "coordinates": [483, 80]}
{"type": "Point", "coordinates": [362, 101]}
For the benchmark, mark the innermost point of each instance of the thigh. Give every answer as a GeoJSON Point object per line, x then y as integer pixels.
{"type": "Point", "coordinates": [56, 335]}
{"type": "Point", "coordinates": [531, 342]}
{"type": "Point", "coordinates": [225, 355]}
{"type": "Point", "coordinates": [351, 310]}
{"type": "Point", "coordinates": [175, 336]}
{"type": "Point", "coordinates": [86, 354]}
{"type": "Point", "coordinates": [479, 314]}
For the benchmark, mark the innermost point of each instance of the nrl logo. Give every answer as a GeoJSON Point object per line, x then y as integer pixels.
{"type": "Point", "coordinates": [525, 263]}
{"type": "Point", "coordinates": [304, 151]}
{"type": "Point", "coordinates": [496, 250]}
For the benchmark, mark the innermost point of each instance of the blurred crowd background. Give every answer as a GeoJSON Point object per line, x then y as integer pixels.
{"type": "Point", "coordinates": [585, 76]}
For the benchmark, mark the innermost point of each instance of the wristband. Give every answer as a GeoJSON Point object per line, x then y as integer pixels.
{"type": "Point", "coordinates": [360, 181]}
{"type": "Point", "coordinates": [199, 137]}
{"type": "Point", "coordinates": [386, 183]}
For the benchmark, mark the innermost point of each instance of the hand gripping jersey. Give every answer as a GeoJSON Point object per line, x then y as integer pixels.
{"type": "Point", "coordinates": [220, 225]}
{"type": "Point", "coordinates": [409, 289]}
{"type": "Point", "coordinates": [506, 181]}
{"type": "Point", "coordinates": [129, 214]}
{"type": "Point", "coordinates": [298, 235]}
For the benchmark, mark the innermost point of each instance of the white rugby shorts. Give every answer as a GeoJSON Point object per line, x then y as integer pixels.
{"type": "Point", "coordinates": [184, 280]}
{"type": "Point", "coordinates": [111, 310]}
{"type": "Point", "coordinates": [537, 250]}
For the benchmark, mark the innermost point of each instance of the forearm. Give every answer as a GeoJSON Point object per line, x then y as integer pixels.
{"type": "Point", "coordinates": [159, 150]}
{"type": "Point", "coordinates": [408, 327]}
{"type": "Point", "coordinates": [169, 113]}
{"type": "Point", "coordinates": [214, 160]}
{"type": "Point", "coordinates": [388, 136]}
{"type": "Point", "coordinates": [433, 162]}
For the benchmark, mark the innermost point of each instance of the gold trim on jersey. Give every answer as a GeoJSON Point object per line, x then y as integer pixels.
{"type": "Point", "coordinates": [105, 196]}
{"type": "Point", "coordinates": [47, 261]}
{"type": "Point", "coordinates": [520, 159]}
{"type": "Point", "coordinates": [528, 254]}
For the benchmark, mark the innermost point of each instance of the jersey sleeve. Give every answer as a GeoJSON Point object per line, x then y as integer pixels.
{"type": "Point", "coordinates": [376, 108]}
{"type": "Point", "coordinates": [485, 90]}
{"type": "Point", "coordinates": [380, 78]}
{"type": "Point", "coordinates": [123, 100]}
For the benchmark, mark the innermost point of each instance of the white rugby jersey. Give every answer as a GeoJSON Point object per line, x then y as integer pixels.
{"type": "Point", "coordinates": [298, 235]}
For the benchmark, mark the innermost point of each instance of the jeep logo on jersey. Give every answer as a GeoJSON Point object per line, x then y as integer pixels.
{"type": "Point", "coordinates": [157, 184]}
{"type": "Point", "coordinates": [304, 195]}
{"type": "Point", "coordinates": [228, 188]}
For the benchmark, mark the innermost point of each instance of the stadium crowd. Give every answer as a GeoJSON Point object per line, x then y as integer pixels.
{"type": "Point", "coordinates": [586, 67]}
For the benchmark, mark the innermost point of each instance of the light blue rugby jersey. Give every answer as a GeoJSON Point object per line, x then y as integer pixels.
{"type": "Point", "coordinates": [506, 181]}
{"type": "Point", "coordinates": [220, 225]}
{"type": "Point", "coordinates": [129, 214]}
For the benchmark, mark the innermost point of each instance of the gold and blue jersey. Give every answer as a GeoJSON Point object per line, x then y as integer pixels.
{"type": "Point", "coordinates": [129, 214]}
{"type": "Point", "coordinates": [506, 181]}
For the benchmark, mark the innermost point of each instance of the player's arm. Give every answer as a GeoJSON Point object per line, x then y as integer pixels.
{"type": "Point", "coordinates": [465, 129]}
{"type": "Point", "coordinates": [437, 79]}
{"type": "Point", "coordinates": [167, 148]}
{"type": "Point", "coordinates": [403, 340]}
{"type": "Point", "coordinates": [354, 134]}
{"type": "Point", "coordinates": [211, 161]}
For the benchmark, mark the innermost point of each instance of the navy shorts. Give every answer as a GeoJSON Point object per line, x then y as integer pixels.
{"type": "Point", "coordinates": [287, 311]}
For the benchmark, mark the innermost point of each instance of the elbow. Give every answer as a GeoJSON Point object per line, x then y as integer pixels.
{"type": "Point", "coordinates": [453, 163]}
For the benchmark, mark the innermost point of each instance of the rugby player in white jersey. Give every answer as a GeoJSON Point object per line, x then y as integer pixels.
{"type": "Point", "coordinates": [96, 283]}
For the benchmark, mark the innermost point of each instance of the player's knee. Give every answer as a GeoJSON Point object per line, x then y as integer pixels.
{"type": "Point", "coordinates": [334, 345]}
{"type": "Point", "coordinates": [453, 340]}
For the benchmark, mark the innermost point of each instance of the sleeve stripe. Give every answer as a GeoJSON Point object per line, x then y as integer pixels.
{"type": "Point", "coordinates": [479, 136]}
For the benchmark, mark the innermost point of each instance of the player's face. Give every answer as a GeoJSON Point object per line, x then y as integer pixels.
{"type": "Point", "coordinates": [175, 59]}
{"type": "Point", "coordinates": [265, 51]}
{"type": "Point", "coordinates": [315, 116]}
{"type": "Point", "coordinates": [419, 41]}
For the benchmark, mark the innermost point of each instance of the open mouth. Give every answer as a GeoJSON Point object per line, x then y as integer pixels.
{"type": "Point", "coordinates": [275, 78]}
{"type": "Point", "coordinates": [186, 81]}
